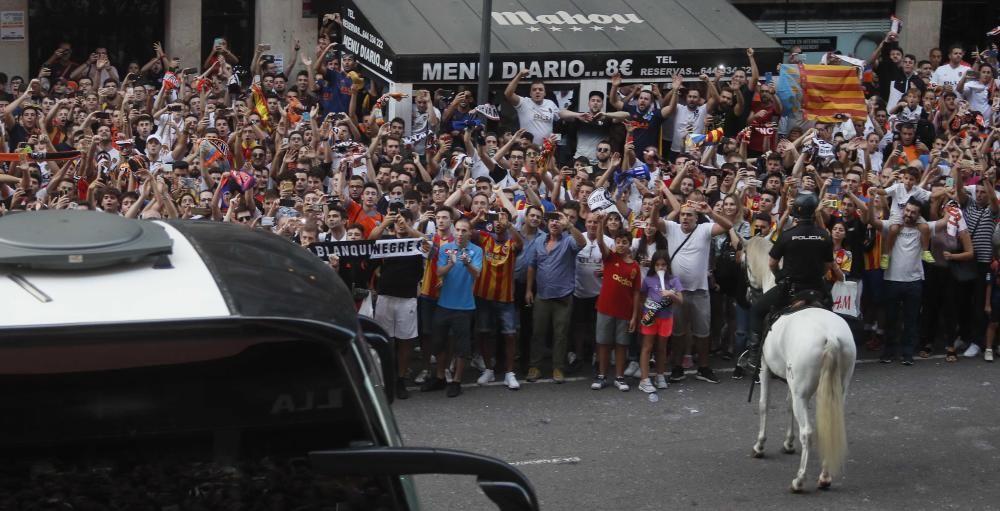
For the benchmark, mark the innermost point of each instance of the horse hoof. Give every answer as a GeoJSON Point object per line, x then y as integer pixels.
{"type": "Point", "coordinates": [788, 450]}
{"type": "Point", "coordinates": [796, 487]}
{"type": "Point", "coordinates": [757, 454]}
{"type": "Point", "coordinates": [824, 485]}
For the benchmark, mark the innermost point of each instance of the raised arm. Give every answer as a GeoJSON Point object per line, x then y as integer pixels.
{"type": "Point", "coordinates": [613, 99]}
{"type": "Point", "coordinates": [672, 96]}
{"type": "Point", "coordinates": [601, 217]}
{"type": "Point", "coordinates": [8, 112]}
{"type": "Point", "coordinates": [511, 91]}
{"type": "Point", "coordinates": [602, 181]}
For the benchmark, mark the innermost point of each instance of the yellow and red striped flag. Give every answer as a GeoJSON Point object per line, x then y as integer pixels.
{"type": "Point", "coordinates": [831, 90]}
{"type": "Point", "coordinates": [260, 105]}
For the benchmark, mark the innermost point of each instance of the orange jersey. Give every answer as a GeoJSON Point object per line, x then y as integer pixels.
{"type": "Point", "coordinates": [356, 215]}
{"type": "Point", "coordinates": [496, 280]}
{"type": "Point", "coordinates": [429, 284]}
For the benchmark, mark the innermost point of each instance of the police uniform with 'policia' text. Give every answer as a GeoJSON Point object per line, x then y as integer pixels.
{"type": "Point", "coordinates": [805, 251]}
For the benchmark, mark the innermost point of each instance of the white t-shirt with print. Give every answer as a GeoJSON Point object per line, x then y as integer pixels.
{"type": "Point", "coordinates": [905, 264]}
{"type": "Point", "coordinates": [588, 261]}
{"type": "Point", "coordinates": [419, 124]}
{"type": "Point", "coordinates": [900, 195]}
{"type": "Point", "coordinates": [537, 119]}
{"type": "Point", "coordinates": [947, 75]}
{"type": "Point", "coordinates": [684, 117]}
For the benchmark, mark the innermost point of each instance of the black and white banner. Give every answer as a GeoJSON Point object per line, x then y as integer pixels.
{"type": "Point", "coordinates": [368, 249]}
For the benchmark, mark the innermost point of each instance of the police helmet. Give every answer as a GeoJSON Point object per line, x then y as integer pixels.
{"type": "Point", "coordinates": [805, 205]}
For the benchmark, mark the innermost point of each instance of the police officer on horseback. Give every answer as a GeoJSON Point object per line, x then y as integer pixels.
{"type": "Point", "coordinates": [805, 253]}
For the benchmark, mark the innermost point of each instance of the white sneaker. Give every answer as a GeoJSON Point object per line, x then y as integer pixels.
{"type": "Point", "coordinates": [421, 377]}
{"type": "Point", "coordinates": [972, 351]}
{"type": "Point", "coordinates": [621, 385]}
{"type": "Point", "coordinates": [646, 386]}
{"type": "Point", "coordinates": [632, 369]}
{"type": "Point", "coordinates": [449, 371]}
{"type": "Point", "coordinates": [570, 358]}
{"type": "Point", "coordinates": [477, 362]}
{"type": "Point", "coordinates": [511, 381]}
{"type": "Point", "coordinates": [661, 381]}
{"type": "Point", "coordinates": [988, 355]}
{"type": "Point", "coordinates": [486, 377]}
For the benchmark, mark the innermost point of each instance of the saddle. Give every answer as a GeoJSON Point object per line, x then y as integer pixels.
{"type": "Point", "coordinates": [799, 300]}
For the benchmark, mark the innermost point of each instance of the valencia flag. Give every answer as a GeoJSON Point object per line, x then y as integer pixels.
{"type": "Point", "coordinates": [831, 90]}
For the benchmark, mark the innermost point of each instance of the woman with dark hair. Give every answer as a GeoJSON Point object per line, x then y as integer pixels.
{"type": "Point", "coordinates": [647, 244]}
{"type": "Point", "coordinates": [613, 224]}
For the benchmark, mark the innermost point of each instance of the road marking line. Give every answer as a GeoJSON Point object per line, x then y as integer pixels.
{"type": "Point", "coordinates": [572, 460]}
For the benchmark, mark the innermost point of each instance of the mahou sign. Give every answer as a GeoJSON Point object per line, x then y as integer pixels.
{"type": "Point", "coordinates": [550, 41]}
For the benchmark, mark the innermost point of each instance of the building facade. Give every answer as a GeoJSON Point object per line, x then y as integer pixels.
{"type": "Point", "coordinates": [855, 27]}
{"type": "Point", "coordinates": [30, 30]}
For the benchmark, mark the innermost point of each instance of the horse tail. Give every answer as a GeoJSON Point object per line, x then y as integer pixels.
{"type": "Point", "coordinates": [830, 430]}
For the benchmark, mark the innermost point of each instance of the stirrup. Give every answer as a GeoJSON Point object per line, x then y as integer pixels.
{"type": "Point", "coordinates": [744, 361]}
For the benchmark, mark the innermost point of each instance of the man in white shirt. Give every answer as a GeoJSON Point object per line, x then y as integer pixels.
{"type": "Point", "coordinates": [903, 285]}
{"type": "Point", "coordinates": [425, 119]}
{"type": "Point", "coordinates": [535, 115]}
{"type": "Point", "coordinates": [690, 245]}
{"type": "Point", "coordinates": [948, 75]}
{"type": "Point", "coordinates": [690, 119]}
{"type": "Point", "coordinates": [157, 154]}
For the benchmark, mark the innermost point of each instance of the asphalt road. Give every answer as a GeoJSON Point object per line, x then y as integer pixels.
{"type": "Point", "coordinates": [920, 437]}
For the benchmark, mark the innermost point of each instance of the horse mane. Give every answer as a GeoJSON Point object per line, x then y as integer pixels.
{"type": "Point", "coordinates": [756, 258]}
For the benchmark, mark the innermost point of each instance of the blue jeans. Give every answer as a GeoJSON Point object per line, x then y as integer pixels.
{"type": "Point", "coordinates": [742, 319]}
{"type": "Point", "coordinates": [907, 295]}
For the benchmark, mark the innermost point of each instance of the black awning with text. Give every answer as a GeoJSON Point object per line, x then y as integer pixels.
{"type": "Point", "coordinates": [438, 40]}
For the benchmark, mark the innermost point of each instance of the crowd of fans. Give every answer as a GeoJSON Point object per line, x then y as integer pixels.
{"type": "Point", "coordinates": [513, 251]}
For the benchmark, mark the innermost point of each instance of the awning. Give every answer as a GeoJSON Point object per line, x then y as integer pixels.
{"type": "Point", "coordinates": [438, 40]}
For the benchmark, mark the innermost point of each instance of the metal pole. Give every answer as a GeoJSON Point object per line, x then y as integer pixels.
{"type": "Point", "coordinates": [483, 92]}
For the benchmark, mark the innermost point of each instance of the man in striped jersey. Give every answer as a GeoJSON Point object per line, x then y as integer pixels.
{"type": "Point", "coordinates": [980, 212]}
{"type": "Point", "coordinates": [494, 292]}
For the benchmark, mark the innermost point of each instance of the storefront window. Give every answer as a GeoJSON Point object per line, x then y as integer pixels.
{"type": "Point", "coordinates": [232, 20]}
{"type": "Point", "coordinates": [127, 29]}
{"type": "Point", "coordinates": [965, 22]}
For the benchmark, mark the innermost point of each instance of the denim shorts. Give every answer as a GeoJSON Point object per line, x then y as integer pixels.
{"type": "Point", "coordinates": [490, 312]}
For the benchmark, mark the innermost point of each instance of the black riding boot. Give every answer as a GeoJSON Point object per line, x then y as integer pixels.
{"type": "Point", "coordinates": [752, 358]}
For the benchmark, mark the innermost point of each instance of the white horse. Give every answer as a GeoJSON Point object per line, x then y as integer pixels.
{"type": "Point", "coordinates": [813, 350]}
